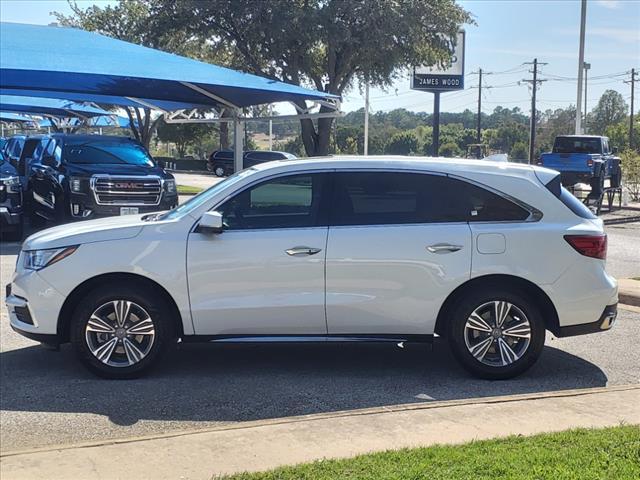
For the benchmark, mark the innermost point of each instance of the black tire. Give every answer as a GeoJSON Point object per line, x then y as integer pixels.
{"type": "Point", "coordinates": [141, 295]}
{"type": "Point", "coordinates": [219, 171]}
{"type": "Point", "coordinates": [35, 220]}
{"type": "Point", "coordinates": [62, 211]}
{"type": "Point", "coordinates": [616, 178]}
{"type": "Point", "coordinates": [12, 233]}
{"type": "Point", "coordinates": [597, 183]}
{"type": "Point", "coordinates": [457, 334]}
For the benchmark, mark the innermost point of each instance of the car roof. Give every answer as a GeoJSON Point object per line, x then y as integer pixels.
{"type": "Point", "coordinates": [581, 136]}
{"type": "Point", "coordinates": [442, 165]}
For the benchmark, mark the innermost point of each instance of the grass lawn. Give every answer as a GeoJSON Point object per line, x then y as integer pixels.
{"type": "Point", "coordinates": [188, 190]}
{"type": "Point", "coordinates": [611, 453]}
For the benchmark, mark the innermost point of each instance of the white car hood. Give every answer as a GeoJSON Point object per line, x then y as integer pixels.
{"type": "Point", "coordinates": [89, 231]}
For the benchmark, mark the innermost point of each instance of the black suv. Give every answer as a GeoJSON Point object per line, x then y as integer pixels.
{"type": "Point", "coordinates": [221, 161]}
{"type": "Point", "coordinates": [11, 220]}
{"type": "Point", "coordinates": [83, 176]}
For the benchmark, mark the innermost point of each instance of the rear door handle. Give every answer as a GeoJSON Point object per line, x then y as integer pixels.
{"type": "Point", "coordinates": [302, 251]}
{"type": "Point", "coordinates": [444, 248]}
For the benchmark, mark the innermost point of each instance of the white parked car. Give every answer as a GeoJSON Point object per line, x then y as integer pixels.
{"type": "Point", "coordinates": [489, 255]}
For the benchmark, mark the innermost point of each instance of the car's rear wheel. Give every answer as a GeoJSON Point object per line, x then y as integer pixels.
{"type": "Point", "coordinates": [496, 334]}
{"type": "Point", "coordinates": [219, 171]}
{"type": "Point", "coordinates": [121, 331]}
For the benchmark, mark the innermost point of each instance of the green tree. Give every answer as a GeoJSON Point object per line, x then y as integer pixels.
{"type": "Point", "coordinates": [450, 149]}
{"type": "Point", "coordinates": [611, 109]}
{"type": "Point", "coordinates": [519, 151]}
{"type": "Point", "coordinates": [403, 143]}
{"type": "Point", "coordinates": [183, 135]}
{"type": "Point", "coordinates": [631, 172]}
{"type": "Point", "coordinates": [329, 44]}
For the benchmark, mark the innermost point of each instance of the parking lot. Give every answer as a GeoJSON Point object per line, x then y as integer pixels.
{"type": "Point", "coordinates": [47, 398]}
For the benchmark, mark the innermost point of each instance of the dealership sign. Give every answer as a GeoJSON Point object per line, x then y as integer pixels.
{"type": "Point", "coordinates": [436, 79]}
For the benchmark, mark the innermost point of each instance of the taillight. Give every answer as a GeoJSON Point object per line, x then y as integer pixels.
{"type": "Point", "coordinates": [594, 246]}
{"type": "Point", "coordinates": [590, 162]}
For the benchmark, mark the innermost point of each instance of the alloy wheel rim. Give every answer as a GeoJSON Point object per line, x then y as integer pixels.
{"type": "Point", "coordinates": [497, 333]}
{"type": "Point", "coordinates": [120, 333]}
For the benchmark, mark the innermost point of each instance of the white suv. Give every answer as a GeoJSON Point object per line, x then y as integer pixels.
{"type": "Point", "coordinates": [489, 255]}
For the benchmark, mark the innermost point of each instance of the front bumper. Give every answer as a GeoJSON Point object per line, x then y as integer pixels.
{"type": "Point", "coordinates": [604, 323]}
{"type": "Point", "coordinates": [34, 306]}
{"type": "Point", "coordinates": [83, 206]}
{"type": "Point", "coordinates": [10, 216]}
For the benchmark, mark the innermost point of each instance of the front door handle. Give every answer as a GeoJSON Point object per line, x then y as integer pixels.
{"type": "Point", "coordinates": [302, 251]}
{"type": "Point", "coordinates": [444, 248]}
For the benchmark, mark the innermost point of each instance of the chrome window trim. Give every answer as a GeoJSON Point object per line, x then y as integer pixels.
{"type": "Point", "coordinates": [535, 215]}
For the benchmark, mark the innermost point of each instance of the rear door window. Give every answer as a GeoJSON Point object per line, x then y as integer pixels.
{"type": "Point", "coordinates": [379, 198]}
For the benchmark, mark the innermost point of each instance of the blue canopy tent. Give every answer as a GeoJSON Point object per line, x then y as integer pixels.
{"type": "Point", "coordinates": [102, 121]}
{"type": "Point", "coordinates": [11, 117]}
{"type": "Point", "coordinates": [49, 106]}
{"type": "Point", "coordinates": [75, 64]}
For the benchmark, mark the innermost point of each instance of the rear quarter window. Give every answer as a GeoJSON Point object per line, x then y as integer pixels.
{"type": "Point", "coordinates": [568, 199]}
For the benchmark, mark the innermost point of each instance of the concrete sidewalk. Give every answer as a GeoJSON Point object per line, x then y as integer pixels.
{"type": "Point", "coordinates": [267, 444]}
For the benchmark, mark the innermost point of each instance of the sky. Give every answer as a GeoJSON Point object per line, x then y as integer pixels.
{"type": "Point", "coordinates": [507, 34]}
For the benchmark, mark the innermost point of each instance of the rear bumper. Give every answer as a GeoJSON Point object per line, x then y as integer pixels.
{"type": "Point", "coordinates": [604, 323]}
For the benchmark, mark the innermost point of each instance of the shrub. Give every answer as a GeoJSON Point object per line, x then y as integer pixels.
{"type": "Point", "coordinates": [631, 172]}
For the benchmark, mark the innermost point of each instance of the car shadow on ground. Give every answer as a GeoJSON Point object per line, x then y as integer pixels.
{"type": "Point", "coordinates": [218, 383]}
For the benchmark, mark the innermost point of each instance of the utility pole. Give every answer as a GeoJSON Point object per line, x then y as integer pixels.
{"type": "Point", "coordinates": [270, 127]}
{"type": "Point", "coordinates": [632, 82]}
{"type": "Point", "coordinates": [587, 66]}
{"type": "Point", "coordinates": [479, 124]}
{"type": "Point", "coordinates": [583, 21]}
{"type": "Point", "coordinates": [366, 119]}
{"type": "Point", "coordinates": [436, 123]}
{"type": "Point", "coordinates": [532, 127]}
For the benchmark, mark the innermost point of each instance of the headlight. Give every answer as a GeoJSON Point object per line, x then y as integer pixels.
{"type": "Point", "coordinates": [12, 183]}
{"type": "Point", "coordinates": [38, 259]}
{"type": "Point", "coordinates": [171, 186]}
{"type": "Point", "coordinates": [75, 184]}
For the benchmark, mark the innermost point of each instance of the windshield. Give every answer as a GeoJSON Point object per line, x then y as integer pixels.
{"type": "Point", "coordinates": [208, 194]}
{"type": "Point", "coordinates": [107, 152]}
{"type": "Point", "coordinates": [576, 145]}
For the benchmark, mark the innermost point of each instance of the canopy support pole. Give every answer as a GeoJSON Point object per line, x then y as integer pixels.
{"type": "Point", "coordinates": [238, 141]}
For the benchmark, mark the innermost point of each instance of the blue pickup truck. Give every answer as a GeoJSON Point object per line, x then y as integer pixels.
{"type": "Point", "coordinates": [584, 158]}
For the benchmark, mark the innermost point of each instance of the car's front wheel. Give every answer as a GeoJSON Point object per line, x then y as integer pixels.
{"type": "Point", "coordinates": [496, 334]}
{"type": "Point", "coordinates": [121, 331]}
{"type": "Point", "coordinates": [219, 171]}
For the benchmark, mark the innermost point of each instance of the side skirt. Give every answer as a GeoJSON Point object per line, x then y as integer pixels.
{"type": "Point", "coordinates": [307, 338]}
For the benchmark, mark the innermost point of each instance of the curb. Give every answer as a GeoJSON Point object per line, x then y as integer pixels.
{"type": "Point", "coordinates": [617, 221]}
{"type": "Point", "coordinates": [332, 415]}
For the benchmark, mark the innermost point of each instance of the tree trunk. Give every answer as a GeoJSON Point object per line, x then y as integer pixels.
{"type": "Point", "coordinates": [316, 140]}
{"type": "Point", "coordinates": [224, 131]}
{"type": "Point", "coordinates": [145, 128]}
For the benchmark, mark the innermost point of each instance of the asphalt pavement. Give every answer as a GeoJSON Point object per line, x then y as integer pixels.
{"type": "Point", "coordinates": [47, 398]}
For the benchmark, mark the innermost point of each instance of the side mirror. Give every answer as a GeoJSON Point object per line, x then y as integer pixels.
{"type": "Point", "coordinates": [614, 150]}
{"type": "Point", "coordinates": [161, 163]}
{"type": "Point", "coordinates": [210, 222]}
